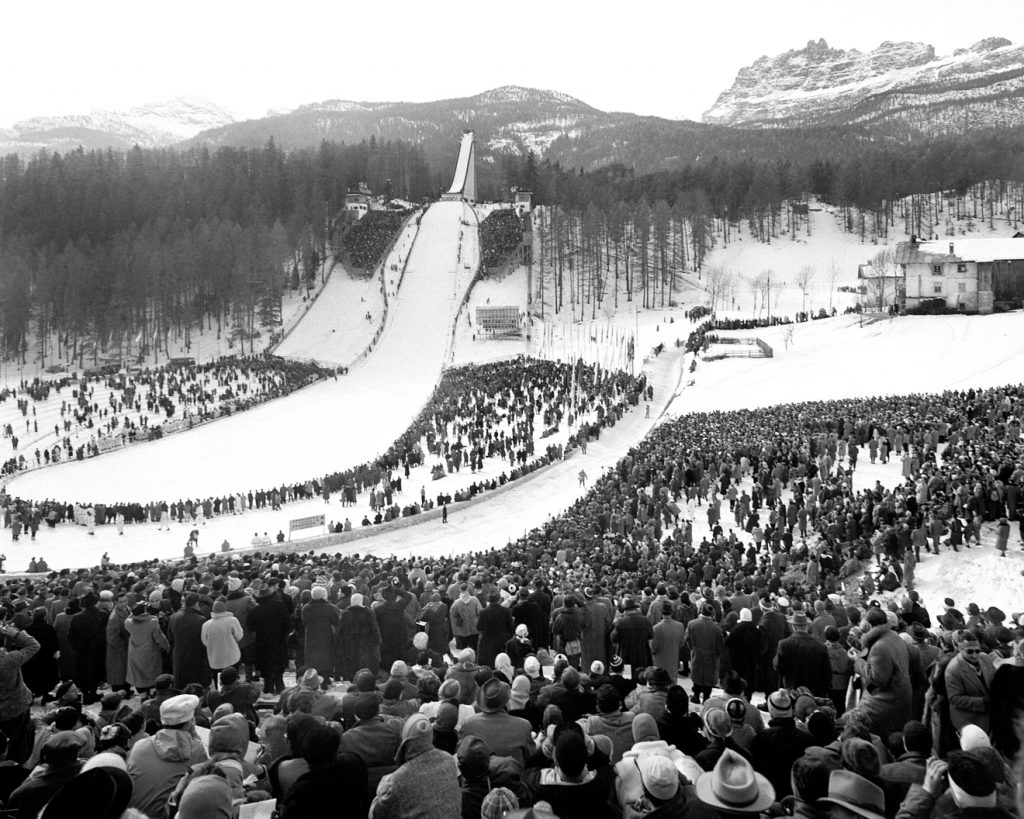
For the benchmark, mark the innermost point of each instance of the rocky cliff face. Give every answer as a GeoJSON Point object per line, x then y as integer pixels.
{"type": "Point", "coordinates": [900, 85]}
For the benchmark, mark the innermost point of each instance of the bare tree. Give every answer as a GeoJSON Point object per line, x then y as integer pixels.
{"type": "Point", "coordinates": [882, 281]}
{"type": "Point", "coordinates": [717, 282]}
{"type": "Point", "coordinates": [833, 274]}
{"type": "Point", "coordinates": [764, 283]}
{"type": "Point", "coordinates": [803, 279]}
{"type": "Point", "coordinates": [754, 285]}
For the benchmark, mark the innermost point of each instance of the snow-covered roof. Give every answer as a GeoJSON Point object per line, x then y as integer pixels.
{"type": "Point", "coordinates": [976, 250]}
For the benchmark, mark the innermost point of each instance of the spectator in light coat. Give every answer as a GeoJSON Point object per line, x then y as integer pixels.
{"type": "Point", "coordinates": [221, 635]}
{"type": "Point", "coordinates": [146, 644]}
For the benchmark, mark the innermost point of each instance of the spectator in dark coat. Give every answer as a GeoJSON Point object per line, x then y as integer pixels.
{"type": "Point", "coordinates": [527, 612]}
{"type": "Point", "coordinates": [632, 633]}
{"type": "Point", "coordinates": [781, 744]}
{"type": "Point", "coordinates": [188, 655]}
{"type": "Point", "coordinates": [270, 625]}
{"type": "Point", "coordinates": [773, 629]}
{"type": "Point", "coordinates": [40, 672]}
{"type": "Point", "coordinates": [802, 660]}
{"type": "Point", "coordinates": [358, 640]}
{"type": "Point", "coordinates": [909, 767]}
{"type": "Point", "coordinates": [1007, 702]}
{"type": "Point", "coordinates": [391, 620]}
{"type": "Point", "coordinates": [885, 671]}
{"type": "Point", "coordinates": [320, 621]}
{"type": "Point", "coordinates": [741, 646]}
{"type": "Point", "coordinates": [706, 642]}
{"type": "Point", "coordinates": [495, 626]}
{"type": "Point", "coordinates": [336, 779]}
{"type": "Point", "coordinates": [88, 636]}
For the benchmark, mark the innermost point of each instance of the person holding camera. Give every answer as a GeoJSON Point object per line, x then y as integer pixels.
{"type": "Point", "coordinates": [15, 697]}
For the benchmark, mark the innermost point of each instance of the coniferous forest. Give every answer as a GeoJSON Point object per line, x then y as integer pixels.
{"type": "Point", "coordinates": [112, 250]}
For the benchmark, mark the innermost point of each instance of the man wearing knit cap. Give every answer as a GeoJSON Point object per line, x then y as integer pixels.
{"type": "Point", "coordinates": [156, 763]}
{"type": "Point", "coordinates": [426, 783]}
{"type": "Point", "coordinates": [777, 747]}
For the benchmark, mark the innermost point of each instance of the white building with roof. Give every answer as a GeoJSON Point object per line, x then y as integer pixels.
{"type": "Point", "coordinates": [972, 275]}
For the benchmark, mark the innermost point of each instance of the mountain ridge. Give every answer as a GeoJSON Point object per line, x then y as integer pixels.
{"type": "Point", "coordinates": [896, 87]}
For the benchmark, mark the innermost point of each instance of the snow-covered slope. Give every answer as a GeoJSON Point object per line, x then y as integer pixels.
{"type": "Point", "coordinates": [329, 426]}
{"type": "Point", "coordinates": [819, 84]}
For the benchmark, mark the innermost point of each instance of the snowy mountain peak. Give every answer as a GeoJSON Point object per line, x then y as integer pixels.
{"type": "Point", "coordinates": [506, 94]}
{"type": "Point", "coordinates": [152, 125]}
{"type": "Point", "coordinates": [820, 84]}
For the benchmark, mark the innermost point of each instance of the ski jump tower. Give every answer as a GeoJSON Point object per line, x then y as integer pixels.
{"type": "Point", "coordinates": [464, 183]}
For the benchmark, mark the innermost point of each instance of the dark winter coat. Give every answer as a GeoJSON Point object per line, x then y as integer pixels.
{"type": "Point", "coordinates": [188, 654]}
{"type": "Point", "coordinates": [803, 661]}
{"type": "Point", "coordinates": [320, 620]}
{"type": "Point", "coordinates": [706, 642]}
{"type": "Point", "coordinates": [88, 636]}
{"type": "Point", "coordinates": [40, 672]}
{"type": "Point", "coordinates": [742, 647]}
{"type": "Point", "coordinates": [117, 646]}
{"type": "Point", "coordinates": [632, 633]}
{"type": "Point", "coordinates": [495, 626]}
{"type": "Point", "coordinates": [358, 644]}
{"type": "Point", "coordinates": [270, 625]}
{"type": "Point", "coordinates": [773, 628]}
{"type": "Point", "coordinates": [885, 670]}
{"type": "Point", "coordinates": [394, 627]}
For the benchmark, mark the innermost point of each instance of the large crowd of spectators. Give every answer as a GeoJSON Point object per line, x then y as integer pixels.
{"type": "Point", "coordinates": [500, 234]}
{"type": "Point", "coordinates": [366, 242]}
{"type": "Point", "coordinates": [48, 421]}
{"type": "Point", "coordinates": [479, 416]}
{"type": "Point", "coordinates": [605, 664]}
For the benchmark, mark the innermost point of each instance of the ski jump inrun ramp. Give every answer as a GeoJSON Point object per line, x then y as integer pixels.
{"type": "Point", "coordinates": [464, 182]}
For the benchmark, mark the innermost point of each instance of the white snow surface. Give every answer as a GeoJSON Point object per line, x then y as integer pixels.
{"type": "Point", "coordinates": [329, 426]}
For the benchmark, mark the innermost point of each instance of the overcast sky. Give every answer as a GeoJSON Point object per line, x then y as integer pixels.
{"type": "Point", "coordinates": [668, 58]}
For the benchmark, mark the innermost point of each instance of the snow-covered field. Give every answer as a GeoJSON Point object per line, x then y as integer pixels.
{"type": "Point", "coordinates": [339, 424]}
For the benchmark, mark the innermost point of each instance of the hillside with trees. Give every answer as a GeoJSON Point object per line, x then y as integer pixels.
{"type": "Point", "coordinates": [107, 253]}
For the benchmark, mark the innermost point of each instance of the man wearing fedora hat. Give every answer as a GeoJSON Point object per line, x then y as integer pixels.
{"type": "Point", "coordinates": [801, 660]}
{"type": "Point", "coordinates": [851, 795]}
{"type": "Point", "coordinates": [504, 734]}
{"type": "Point", "coordinates": [734, 788]}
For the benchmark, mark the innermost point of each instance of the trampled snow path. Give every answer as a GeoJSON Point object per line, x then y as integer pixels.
{"type": "Point", "coordinates": [323, 428]}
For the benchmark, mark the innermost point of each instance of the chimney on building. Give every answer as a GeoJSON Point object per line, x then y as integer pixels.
{"type": "Point", "coordinates": [951, 249]}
